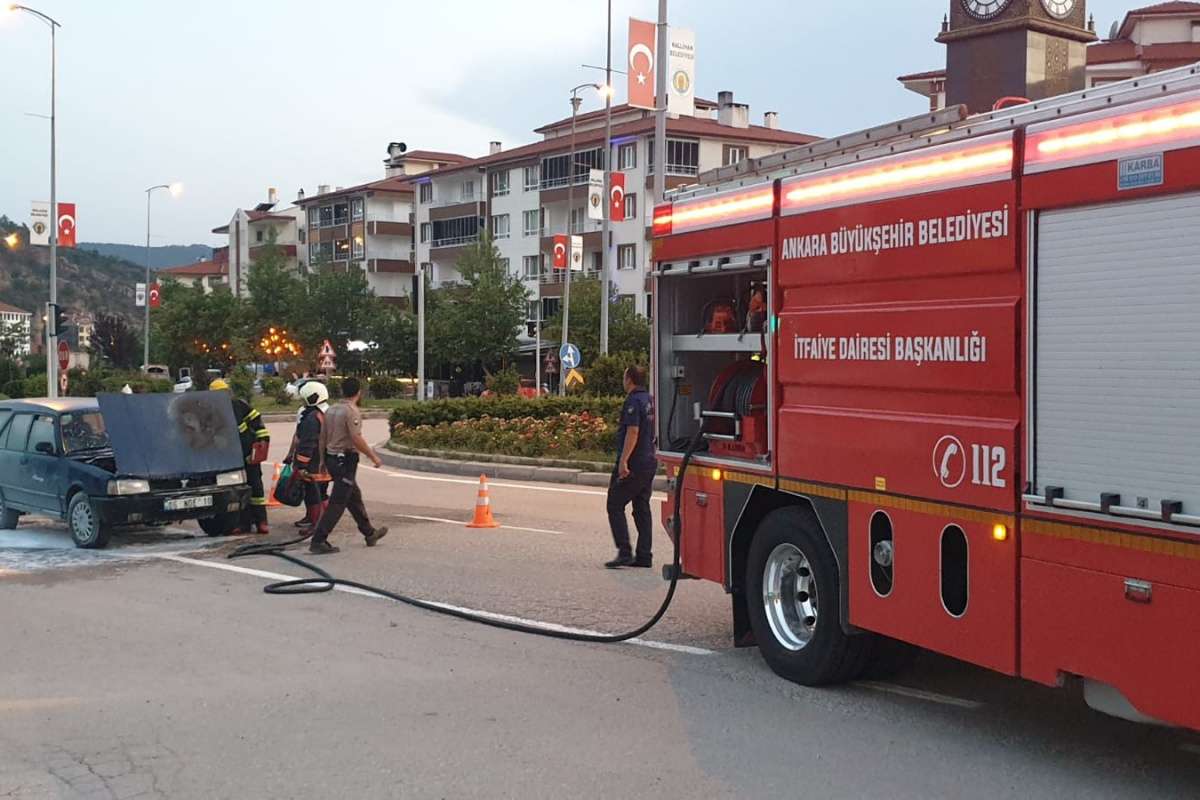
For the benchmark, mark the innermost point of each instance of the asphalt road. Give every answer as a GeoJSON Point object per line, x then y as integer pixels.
{"type": "Point", "coordinates": [158, 668]}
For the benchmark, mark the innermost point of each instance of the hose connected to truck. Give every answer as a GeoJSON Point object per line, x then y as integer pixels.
{"type": "Point", "coordinates": [323, 581]}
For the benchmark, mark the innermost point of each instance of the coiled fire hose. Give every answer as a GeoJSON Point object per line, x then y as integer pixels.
{"type": "Point", "coordinates": [323, 581]}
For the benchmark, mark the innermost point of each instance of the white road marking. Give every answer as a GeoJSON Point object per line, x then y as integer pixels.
{"type": "Point", "coordinates": [919, 694]}
{"type": "Point", "coordinates": [461, 522]}
{"type": "Point", "coordinates": [278, 576]}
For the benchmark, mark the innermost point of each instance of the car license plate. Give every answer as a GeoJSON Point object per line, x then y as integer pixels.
{"type": "Point", "coordinates": [184, 503]}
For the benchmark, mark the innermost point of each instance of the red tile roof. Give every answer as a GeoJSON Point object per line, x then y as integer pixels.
{"type": "Point", "coordinates": [590, 138]}
{"type": "Point", "coordinates": [259, 216]}
{"type": "Point", "coordinates": [433, 155]}
{"type": "Point", "coordinates": [400, 184]}
{"type": "Point", "coordinates": [198, 270]}
{"type": "Point", "coordinates": [6, 308]}
{"type": "Point", "coordinates": [1158, 9]}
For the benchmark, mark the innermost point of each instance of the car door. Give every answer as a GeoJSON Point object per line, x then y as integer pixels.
{"type": "Point", "coordinates": [14, 475]}
{"type": "Point", "coordinates": [44, 464]}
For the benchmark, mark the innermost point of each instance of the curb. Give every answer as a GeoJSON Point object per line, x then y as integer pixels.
{"type": "Point", "coordinates": [508, 472]}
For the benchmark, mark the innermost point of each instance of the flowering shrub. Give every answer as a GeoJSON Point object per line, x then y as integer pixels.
{"type": "Point", "coordinates": [435, 412]}
{"type": "Point", "coordinates": [562, 435]}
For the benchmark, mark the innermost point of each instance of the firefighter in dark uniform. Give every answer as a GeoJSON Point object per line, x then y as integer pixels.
{"type": "Point", "coordinates": [255, 439]}
{"type": "Point", "coordinates": [633, 475]}
{"type": "Point", "coordinates": [306, 450]}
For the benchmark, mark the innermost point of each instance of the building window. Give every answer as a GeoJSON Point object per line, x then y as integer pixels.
{"type": "Point", "coordinates": [500, 183]}
{"type": "Point", "coordinates": [532, 179]}
{"type": "Point", "coordinates": [258, 236]}
{"type": "Point", "coordinates": [314, 251]}
{"type": "Point", "coordinates": [341, 213]}
{"type": "Point", "coordinates": [302, 235]}
{"type": "Point", "coordinates": [500, 228]}
{"type": "Point", "coordinates": [358, 247]}
{"type": "Point", "coordinates": [631, 206]}
{"type": "Point", "coordinates": [683, 156]}
{"type": "Point", "coordinates": [314, 217]}
{"type": "Point", "coordinates": [628, 299]}
{"type": "Point", "coordinates": [453, 232]}
{"type": "Point", "coordinates": [550, 306]}
{"type": "Point", "coordinates": [531, 311]}
{"type": "Point", "coordinates": [578, 219]}
{"type": "Point", "coordinates": [554, 168]}
{"type": "Point", "coordinates": [468, 190]}
{"type": "Point", "coordinates": [597, 261]}
{"type": "Point", "coordinates": [627, 256]}
{"type": "Point", "coordinates": [326, 216]}
{"type": "Point", "coordinates": [530, 267]}
{"type": "Point", "coordinates": [341, 249]}
{"type": "Point", "coordinates": [627, 156]}
{"type": "Point", "coordinates": [356, 209]}
{"type": "Point", "coordinates": [531, 222]}
{"type": "Point", "coordinates": [425, 228]}
{"type": "Point", "coordinates": [325, 253]}
{"type": "Point", "coordinates": [735, 154]}
{"type": "Point", "coordinates": [427, 192]}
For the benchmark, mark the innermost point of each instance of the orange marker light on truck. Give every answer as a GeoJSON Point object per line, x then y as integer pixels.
{"type": "Point", "coordinates": [716, 474]}
{"type": "Point", "coordinates": [1000, 532]}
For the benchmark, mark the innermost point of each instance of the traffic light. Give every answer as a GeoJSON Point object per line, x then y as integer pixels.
{"type": "Point", "coordinates": [59, 325]}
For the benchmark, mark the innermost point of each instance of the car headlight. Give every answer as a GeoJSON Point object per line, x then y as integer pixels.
{"type": "Point", "coordinates": [128, 486]}
{"type": "Point", "coordinates": [231, 478]}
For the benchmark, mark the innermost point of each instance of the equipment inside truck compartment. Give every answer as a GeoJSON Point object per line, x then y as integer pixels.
{"type": "Point", "coordinates": [713, 364]}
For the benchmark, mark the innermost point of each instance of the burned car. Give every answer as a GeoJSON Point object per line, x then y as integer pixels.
{"type": "Point", "coordinates": [118, 459]}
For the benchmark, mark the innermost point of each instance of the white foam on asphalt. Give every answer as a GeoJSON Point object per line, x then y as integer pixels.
{"type": "Point", "coordinates": [550, 626]}
{"type": "Point", "coordinates": [919, 694]}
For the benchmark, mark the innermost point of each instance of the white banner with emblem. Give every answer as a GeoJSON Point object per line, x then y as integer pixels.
{"type": "Point", "coordinates": [39, 223]}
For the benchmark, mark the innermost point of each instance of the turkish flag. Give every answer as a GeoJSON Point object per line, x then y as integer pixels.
{"type": "Point", "coordinates": [66, 224]}
{"type": "Point", "coordinates": [155, 296]}
{"type": "Point", "coordinates": [616, 196]}
{"type": "Point", "coordinates": [561, 245]}
{"type": "Point", "coordinates": [642, 36]}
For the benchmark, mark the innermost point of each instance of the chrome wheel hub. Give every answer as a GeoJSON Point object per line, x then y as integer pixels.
{"type": "Point", "coordinates": [790, 596]}
{"type": "Point", "coordinates": [83, 521]}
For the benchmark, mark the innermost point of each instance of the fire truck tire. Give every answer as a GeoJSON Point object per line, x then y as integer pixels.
{"type": "Point", "coordinates": [793, 595]}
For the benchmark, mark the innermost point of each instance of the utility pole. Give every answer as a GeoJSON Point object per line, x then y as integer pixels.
{"type": "Point", "coordinates": [421, 393]}
{"type": "Point", "coordinates": [575, 101]}
{"type": "Point", "coordinates": [660, 120]}
{"type": "Point", "coordinates": [606, 230]}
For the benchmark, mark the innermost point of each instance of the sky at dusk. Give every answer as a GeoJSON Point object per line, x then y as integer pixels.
{"type": "Point", "coordinates": [231, 97]}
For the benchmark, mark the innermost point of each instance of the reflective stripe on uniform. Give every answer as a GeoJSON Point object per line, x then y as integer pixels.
{"type": "Point", "coordinates": [243, 428]}
{"type": "Point", "coordinates": [253, 415]}
{"type": "Point", "coordinates": [258, 501]}
{"type": "Point", "coordinates": [262, 433]}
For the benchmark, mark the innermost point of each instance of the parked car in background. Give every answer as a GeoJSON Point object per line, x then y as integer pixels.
{"type": "Point", "coordinates": [157, 372]}
{"type": "Point", "coordinates": [91, 463]}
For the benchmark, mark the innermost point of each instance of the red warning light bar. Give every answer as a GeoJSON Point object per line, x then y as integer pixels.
{"type": "Point", "coordinates": [1106, 135]}
{"type": "Point", "coordinates": [724, 208]}
{"type": "Point", "coordinates": [976, 161]}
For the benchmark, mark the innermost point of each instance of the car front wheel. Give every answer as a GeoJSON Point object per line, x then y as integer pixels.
{"type": "Point", "coordinates": [86, 529]}
{"type": "Point", "coordinates": [8, 517]}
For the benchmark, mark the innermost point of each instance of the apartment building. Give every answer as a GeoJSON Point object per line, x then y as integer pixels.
{"type": "Point", "coordinates": [250, 230]}
{"type": "Point", "coordinates": [13, 317]}
{"type": "Point", "coordinates": [520, 196]}
{"type": "Point", "coordinates": [369, 227]}
{"type": "Point", "coordinates": [208, 275]}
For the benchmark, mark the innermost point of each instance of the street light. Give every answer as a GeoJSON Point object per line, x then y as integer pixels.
{"type": "Point", "coordinates": [51, 343]}
{"type": "Point", "coordinates": [13, 241]}
{"type": "Point", "coordinates": [575, 101]}
{"type": "Point", "coordinates": [175, 190]}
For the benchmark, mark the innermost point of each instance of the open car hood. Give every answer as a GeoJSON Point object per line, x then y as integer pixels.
{"type": "Point", "coordinates": [172, 435]}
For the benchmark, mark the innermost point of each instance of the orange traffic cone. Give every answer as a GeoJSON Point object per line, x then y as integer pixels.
{"type": "Point", "coordinates": [272, 501]}
{"type": "Point", "coordinates": [483, 508]}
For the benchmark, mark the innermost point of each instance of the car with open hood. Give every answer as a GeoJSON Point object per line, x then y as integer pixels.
{"type": "Point", "coordinates": [122, 459]}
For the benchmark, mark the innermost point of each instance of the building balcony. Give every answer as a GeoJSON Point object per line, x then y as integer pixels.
{"type": "Point", "coordinates": [393, 266]}
{"type": "Point", "coordinates": [389, 228]}
{"type": "Point", "coordinates": [455, 210]}
{"type": "Point", "coordinates": [592, 240]}
{"type": "Point", "coordinates": [454, 241]}
{"type": "Point", "coordinates": [289, 251]}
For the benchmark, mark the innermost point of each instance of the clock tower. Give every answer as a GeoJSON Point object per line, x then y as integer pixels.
{"type": "Point", "coordinates": [1014, 48]}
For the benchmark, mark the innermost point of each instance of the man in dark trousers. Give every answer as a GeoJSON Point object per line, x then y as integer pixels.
{"type": "Point", "coordinates": [633, 477]}
{"type": "Point", "coordinates": [341, 443]}
{"type": "Point", "coordinates": [255, 439]}
{"type": "Point", "coordinates": [305, 454]}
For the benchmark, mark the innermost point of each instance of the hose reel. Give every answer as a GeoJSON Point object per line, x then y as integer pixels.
{"type": "Point", "coordinates": [736, 419]}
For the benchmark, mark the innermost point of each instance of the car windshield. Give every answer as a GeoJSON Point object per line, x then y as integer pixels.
{"type": "Point", "coordinates": [84, 430]}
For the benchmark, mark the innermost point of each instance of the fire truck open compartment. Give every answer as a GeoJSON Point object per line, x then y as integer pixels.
{"type": "Point", "coordinates": [713, 352]}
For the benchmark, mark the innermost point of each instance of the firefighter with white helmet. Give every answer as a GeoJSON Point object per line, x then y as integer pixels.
{"type": "Point", "coordinates": [306, 449]}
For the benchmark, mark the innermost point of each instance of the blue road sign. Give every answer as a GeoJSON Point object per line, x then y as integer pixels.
{"type": "Point", "coordinates": [568, 354]}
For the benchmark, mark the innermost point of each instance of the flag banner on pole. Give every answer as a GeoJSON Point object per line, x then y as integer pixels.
{"type": "Point", "coordinates": [139, 295]}
{"type": "Point", "coordinates": [616, 196]}
{"type": "Point", "coordinates": [681, 67]}
{"type": "Point", "coordinates": [595, 203]}
{"type": "Point", "coordinates": [560, 251]}
{"type": "Point", "coordinates": [642, 44]}
{"type": "Point", "coordinates": [155, 295]}
{"type": "Point", "coordinates": [577, 254]}
{"type": "Point", "coordinates": [66, 224]}
{"type": "Point", "coordinates": [39, 223]}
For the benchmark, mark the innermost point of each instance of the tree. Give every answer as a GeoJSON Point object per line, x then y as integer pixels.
{"type": "Point", "coordinates": [334, 305]}
{"type": "Point", "coordinates": [477, 321]}
{"type": "Point", "coordinates": [14, 339]}
{"type": "Point", "coordinates": [115, 343]}
{"type": "Point", "coordinates": [393, 331]}
{"type": "Point", "coordinates": [275, 291]}
{"type": "Point", "coordinates": [198, 330]}
{"type": "Point", "coordinates": [628, 332]}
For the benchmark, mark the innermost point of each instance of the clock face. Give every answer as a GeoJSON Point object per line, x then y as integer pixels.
{"type": "Point", "coordinates": [1059, 8]}
{"type": "Point", "coordinates": [984, 9]}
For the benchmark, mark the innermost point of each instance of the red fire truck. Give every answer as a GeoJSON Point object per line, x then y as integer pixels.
{"type": "Point", "coordinates": [948, 377]}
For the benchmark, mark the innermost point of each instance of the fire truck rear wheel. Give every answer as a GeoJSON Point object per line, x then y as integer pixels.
{"type": "Point", "coordinates": [793, 595]}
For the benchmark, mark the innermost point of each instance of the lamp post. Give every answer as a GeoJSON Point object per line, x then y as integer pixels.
{"type": "Point", "coordinates": [51, 340]}
{"type": "Point", "coordinates": [174, 189]}
{"type": "Point", "coordinates": [606, 232]}
{"type": "Point", "coordinates": [575, 101]}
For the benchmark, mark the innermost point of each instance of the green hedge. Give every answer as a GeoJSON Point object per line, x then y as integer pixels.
{"type": "Point", "coordinates": [435, 412]}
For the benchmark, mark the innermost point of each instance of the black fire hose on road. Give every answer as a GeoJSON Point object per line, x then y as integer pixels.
{"type": "Point", "coordinates": [325, 582]}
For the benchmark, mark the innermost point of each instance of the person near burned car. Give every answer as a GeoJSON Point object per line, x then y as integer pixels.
{"type": "Point", "coordinates": [256, 441]}
{"type": "Point", "coordinates": [632, 480]}
{"type": "Point", "coordinates": [305, 452]}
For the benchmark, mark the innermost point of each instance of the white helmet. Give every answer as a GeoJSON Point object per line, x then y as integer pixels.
{"type": "Point", "coordinates": [314, 393]}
